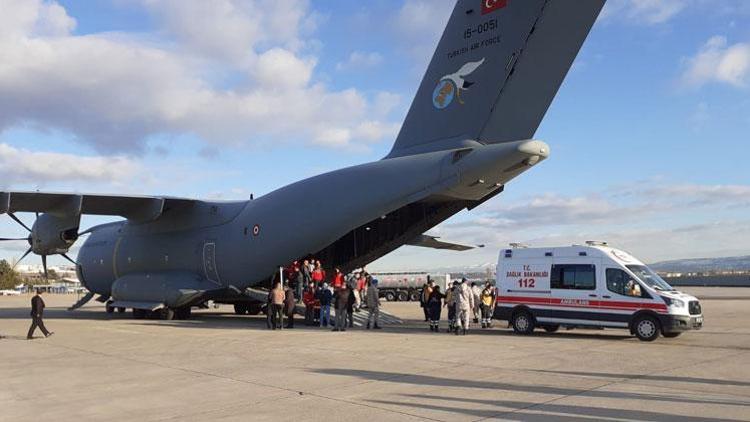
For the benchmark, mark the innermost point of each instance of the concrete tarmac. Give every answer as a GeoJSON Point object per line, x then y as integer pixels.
{"type": "Point", "coordinates": [222, 367]}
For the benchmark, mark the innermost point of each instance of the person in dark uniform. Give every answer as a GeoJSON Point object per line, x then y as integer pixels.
{"type": "Point", "coordinates": [435, 305]}
{"type": "Point", "coordinates": [37, 311]}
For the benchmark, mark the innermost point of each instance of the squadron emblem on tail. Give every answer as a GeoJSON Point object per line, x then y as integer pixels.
{"type": "Point", "coordinates": [451, 85]}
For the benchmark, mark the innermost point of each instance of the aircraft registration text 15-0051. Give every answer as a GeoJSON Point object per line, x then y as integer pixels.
{"type": "Point", "coordinates": [528, 277]}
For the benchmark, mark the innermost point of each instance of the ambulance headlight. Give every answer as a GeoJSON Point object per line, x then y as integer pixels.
{"type": "Point", "coordinates": [673, 303]}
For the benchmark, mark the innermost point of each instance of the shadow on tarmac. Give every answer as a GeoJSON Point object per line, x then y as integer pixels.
{"type": "Point", "coordinates": [428, 380]}
{"type": "Point", "coordinates": [667, 378]}
{"type": "Point", "coordinates": [552, 411]}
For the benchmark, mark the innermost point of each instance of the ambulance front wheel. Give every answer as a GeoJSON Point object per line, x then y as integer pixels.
{"type": "Point", "coordinates": [523, 322]}
{"type": "Point", "coordinates": [647, 328]}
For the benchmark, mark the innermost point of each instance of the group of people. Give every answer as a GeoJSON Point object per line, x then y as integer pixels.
{"type": "Point", "coordinates": [307, 282]}
{"type": "Point", "coordinates": [464, 302]}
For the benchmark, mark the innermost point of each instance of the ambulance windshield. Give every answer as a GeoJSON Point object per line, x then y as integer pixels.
{"type": "Point", "coordinates": [649, 277]}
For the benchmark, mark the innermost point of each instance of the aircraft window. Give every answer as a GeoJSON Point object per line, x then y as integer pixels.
{"type": "Point", "coordinates": [573, 276]}
{"type": "Point", "coordinates": [620, 282]}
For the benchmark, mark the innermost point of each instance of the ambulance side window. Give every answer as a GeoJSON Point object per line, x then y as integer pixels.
{"type": "Point", "coordinates": [618, 281]}
{"type": "Point", "coordinates": [573, 276]}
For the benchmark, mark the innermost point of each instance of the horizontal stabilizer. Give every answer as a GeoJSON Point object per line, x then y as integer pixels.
{"type": "Point", "coordinates": [426, 241]}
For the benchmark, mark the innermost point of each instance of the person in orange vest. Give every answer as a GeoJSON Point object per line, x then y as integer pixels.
{"type": "Point", "coordinates": [337, 280]}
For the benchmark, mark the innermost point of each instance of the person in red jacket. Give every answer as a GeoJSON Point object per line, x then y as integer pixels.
{"type": "Point", "coordinates": [337, 280]}
{"type": "Point", "coordinates": [309, 300]}
{"type": "Point", "coordinates": [318, 274]}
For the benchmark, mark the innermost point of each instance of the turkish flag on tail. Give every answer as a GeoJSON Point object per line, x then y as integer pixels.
{"type": "Point", "coordinates": [492, 5]}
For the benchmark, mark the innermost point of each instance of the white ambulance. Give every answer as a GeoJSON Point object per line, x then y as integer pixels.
{"type": "Point", "coordinates": [592, 286]}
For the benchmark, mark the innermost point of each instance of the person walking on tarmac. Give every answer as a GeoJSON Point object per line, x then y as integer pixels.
{"type": "Point", "coordinates": [464, 305]}
{"type": "Point", "coordinates": [488, 299]}
{"type": "Point", "coordinates": [373, 303]}
{"type": "Point", "coordinates": [325, 296]}
{"type": "Point", "coordinates": [290, 302]}
{"type": "Point", "coordinates": [37, 312]}
{"type": "Point", "coordinates": [277, 306]}
{"type": "Point", "coordinates": [435, 305]}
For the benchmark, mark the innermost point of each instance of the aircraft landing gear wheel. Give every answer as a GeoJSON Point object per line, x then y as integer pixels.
{"type": "Point", "coordinates": [165, 313]}
{"type": "Point", "coordinates": [390, 296]}
{"type": "Point", "coordinates": [647, 328]}
{"type": "Point", "coordinates": [551, 328]}
{"type": "Point", "coordinates": [523, 323]}
{"type": "Point", "coordinates": [109, 308]}
{"type": "Point", "coordinates": [121, 309]}
{"type": "Point", "coordinates": [240, 308]}
{"type": "Point", "coordinates": [671, 335]}
{"type": "Point", "coordinates": [139, 313]}
{"type": "Point", "coordinates": [183, 313]}
{"type": "Point", "coordinates": [403, 296]}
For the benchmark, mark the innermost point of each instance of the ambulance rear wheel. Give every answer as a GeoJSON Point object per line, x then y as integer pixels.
{"type": "Point", "coordinates": [551, 328]}
{"type": "Point", "coordinates": [647, 328]}
{"type": "Point", "coordinates": [523, 322]}
{"type": "Point", "coordinates": [671, 335]}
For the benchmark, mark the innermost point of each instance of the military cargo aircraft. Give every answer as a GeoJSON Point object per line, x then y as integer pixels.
{"type": "Point", "coordinates": [468, 132]}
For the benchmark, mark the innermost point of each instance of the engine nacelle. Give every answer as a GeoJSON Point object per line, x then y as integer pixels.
{"type": "Point", "coordinates": [54, 234]}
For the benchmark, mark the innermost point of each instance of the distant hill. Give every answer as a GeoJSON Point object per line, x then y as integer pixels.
{"type": "Point", "coordinates": [732, 263]}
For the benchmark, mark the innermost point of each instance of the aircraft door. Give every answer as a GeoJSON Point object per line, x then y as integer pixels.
{"type": "Point", "coordinates": [210, 270]}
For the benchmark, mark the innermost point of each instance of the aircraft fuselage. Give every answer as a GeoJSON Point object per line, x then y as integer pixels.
{"type": "Point", "coordinates": [243, 243]}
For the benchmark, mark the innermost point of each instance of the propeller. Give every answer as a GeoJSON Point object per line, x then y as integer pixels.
{"type": "Point", "coordinates": [29, 239]}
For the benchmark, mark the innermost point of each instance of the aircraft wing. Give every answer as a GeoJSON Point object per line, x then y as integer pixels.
{"type": "Point", "coordinates": [426, 241]}
{"type": "Point", "coordinates": [136, 208]}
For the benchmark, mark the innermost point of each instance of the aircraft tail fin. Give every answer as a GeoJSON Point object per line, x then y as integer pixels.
{"type": "Point", "coordinates": [495, 72]}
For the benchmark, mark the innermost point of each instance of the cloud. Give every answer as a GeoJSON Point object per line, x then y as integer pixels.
{"type": "Point", "coordinates": [703, 195]}
{"type": "Point", "coordinates": [649, 12]}
{"type": "Point", "coordinates": [360, 60]}
{"type": "Point", "coordinates": [655, 219]}
{"type": "Point", "coordinates": [419, 25]}
{"type": "Point", "coordinates": [21, 166]}
{"type": "Point", "coordinates": [232, 29]}
{"type": "Point", "coordinates": [717, 61]}
{"type": "Point", "coordinates": [224, 79]}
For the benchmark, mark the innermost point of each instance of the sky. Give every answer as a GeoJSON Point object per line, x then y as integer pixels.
{"type": "Point", "coordinates": [220, 99]}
